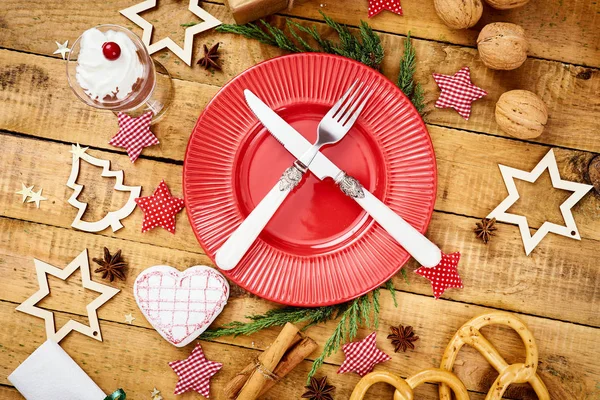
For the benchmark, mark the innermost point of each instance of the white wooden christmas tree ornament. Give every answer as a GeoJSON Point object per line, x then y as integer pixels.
{"type": "Point", "coordinates": [185, 53]}
{"type": "Point", "coordinates": [531, 241]}
{"type": "Point", "coordinates": [42, 270]}
{"type": "Point", "coordinates": [113, 218]}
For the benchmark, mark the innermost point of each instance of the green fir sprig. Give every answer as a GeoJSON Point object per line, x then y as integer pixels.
{"type": "Point", "coordinates": [365, 47]}
{"type": "Point", "coordinates": [362, 311]}
{"type": "Point", "coordinates": [406, 77]}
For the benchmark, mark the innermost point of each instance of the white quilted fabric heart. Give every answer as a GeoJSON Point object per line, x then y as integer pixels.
{"type": "Point", "coordinates": [181, 305]}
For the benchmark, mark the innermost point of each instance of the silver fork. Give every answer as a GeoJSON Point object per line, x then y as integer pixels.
{"type": "Point", "coordinates": [332, 128]}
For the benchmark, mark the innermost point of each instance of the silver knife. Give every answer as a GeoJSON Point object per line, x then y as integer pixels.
{"type": "Point", "coordinates": [413, 241]}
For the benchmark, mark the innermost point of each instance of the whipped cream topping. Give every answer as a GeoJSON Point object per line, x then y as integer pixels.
{"type": "Point", "coordinates": [100, 77]}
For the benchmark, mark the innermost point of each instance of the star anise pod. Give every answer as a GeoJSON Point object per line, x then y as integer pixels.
{"type": "Point", "coordinates": [319, 389]}
{"type": "Point", "coordinates": [402, 338]}
{"type": "Point", "coordinates": [210, 58]}
{"type": "Point", "coordinates": [485, 229]}
{"type": "Point", "coordinates": [111, 266]}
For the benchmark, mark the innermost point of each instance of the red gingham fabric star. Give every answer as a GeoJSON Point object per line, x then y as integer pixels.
{"type": "Point", "coordinates": [134, 134]}
{"type": "Point", "coordinates": [444, 275]}
{"type": "Point", "coordinates": [194, 372]}
{"type": "Point", "coordinates": [376, 6]}
{"type": "Point", "coordinates": [160, 208]}
{"type": "Point", "coordinates": [458, 92]}
{"type": "Point", "coordinates": [362, 356]}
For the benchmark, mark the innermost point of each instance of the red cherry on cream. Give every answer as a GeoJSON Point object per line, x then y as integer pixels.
{"type": "Point", "coordinates": [111, 51]}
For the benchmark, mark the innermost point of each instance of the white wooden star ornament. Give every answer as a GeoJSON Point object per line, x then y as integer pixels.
{"type": "Point", "coordinates": [185, 53]}
{"type": "Point", "coordinates": [531, 241]}
{"type": "Point", "coordinates": [25, 192]}
{"type": "Point", "coordinates": [62, 49]}
{"type": "Point", "coordinates": [36, 197]}
{"type": "Point", "coordinates": [42, 270]}
{"type": "Point", "coordinates": [129, 318]}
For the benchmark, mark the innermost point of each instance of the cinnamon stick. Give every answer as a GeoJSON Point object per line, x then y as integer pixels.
{"type": "Point", "coordinates": [300, 348]}
{"type": "Point", "coordinates": [269, 360]}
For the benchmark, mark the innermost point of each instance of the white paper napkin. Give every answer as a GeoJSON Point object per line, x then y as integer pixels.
{"type": "Point", "coordinates": [50, 374]}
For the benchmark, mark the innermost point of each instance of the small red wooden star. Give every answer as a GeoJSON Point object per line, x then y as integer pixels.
{"type": "Point", "coordinates": [362, 356]}
{"type": "Point", "coordinates": [160, 208]}
{"type": "Point", "coordinates": [376, 6]}
{"type": "Point", "coordinates": [134, 134]}
{"type": "Point", "coordinates": [444, 275]}
{"type": "Point", "coordinates": [458, 92]}
{"type": "Point", "coordinates": [195, 372]}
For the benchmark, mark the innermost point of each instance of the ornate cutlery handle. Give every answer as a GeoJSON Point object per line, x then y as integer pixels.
{"type": "Point", "coordinates": [230, 254]}
{"type": "Point", "coordinates": [414, 242]}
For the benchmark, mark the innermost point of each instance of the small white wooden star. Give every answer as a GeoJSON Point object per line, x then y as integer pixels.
{"type": "Point", "coordinates": [62, 49]}
{"type": "Point", "coordinates": [25, 192]}
{"type": "Point", "coordinates": [129, 318]}
{"type": "Point", "coordinates": [36, 197]}
{"type": "Point", "coordinates": [531, 241]}
{"type": "Point", "coordinates": [155, 395]}
{"type": "Point", "coordinates": [78, 150]}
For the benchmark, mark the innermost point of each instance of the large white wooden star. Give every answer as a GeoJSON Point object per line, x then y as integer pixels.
{"type": "Point", "coordinates": [80, 262]}
{"type": "Point", "coordinates": [185, 53]}
{"type": "Point", "coordinates": [531, 241]}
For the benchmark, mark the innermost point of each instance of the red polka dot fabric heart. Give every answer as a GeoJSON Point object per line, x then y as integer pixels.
{"type": "Point", "coordinates": [362, 356]}
{"type": "Point", "coordinates": [377, 6]}
{"type": "Point", "coordinates": [444, 275]}
{"type": "Point", "coordinates": [160, 208]}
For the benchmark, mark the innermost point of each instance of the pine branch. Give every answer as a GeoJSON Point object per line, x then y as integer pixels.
{"type": "Point", "coordinates": [366, 48]}
{"type": "Point", "coordinates": [406, 77]}
{"type": "Point", "coordinates": [389, 285]}
{"type": "Point", "coordinates": [403, 271]}
{"type": "Point", "coordinates": [274, 317]}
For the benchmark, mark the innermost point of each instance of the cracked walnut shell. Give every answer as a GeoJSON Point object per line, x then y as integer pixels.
{"type": "Point", "coordinates": [502, 45]}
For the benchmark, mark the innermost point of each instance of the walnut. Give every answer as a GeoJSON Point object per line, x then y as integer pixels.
{"type": "Point", "coordinates": [502, 45]}
{"type": "Point", "coordinates": [459, 14]}
{"type": "Point", "coordinates": [521, 114]}
{"type": "Point", "coordinates": [506, 4]}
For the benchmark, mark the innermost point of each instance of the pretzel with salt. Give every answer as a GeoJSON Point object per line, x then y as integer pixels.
{"type": "Point", "coordinates": [404, 388]}
{"type": "Point", "coordinates": [508, 374]}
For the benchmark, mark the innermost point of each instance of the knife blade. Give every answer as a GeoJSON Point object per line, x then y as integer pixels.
{"type": "Point", "coordinates": [413, 241]}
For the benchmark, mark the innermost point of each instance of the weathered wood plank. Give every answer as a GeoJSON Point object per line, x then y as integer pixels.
{"type": "Point", "coordinates": [459, 153]}
{"type": "Point", "coordinates": [497, 275]}
{"type": "Point", "coordinates": [123, 360]}
{"type": "Point", "coordinates": [569, 91]}
{"type": "Point", "coordinates": [491, 268]}
{"type": "Point", "coordinates": [568, 352]}
{"type": "Point", "coordinates": [34, 91]}
{"type": "Point", "coordinates": [556, 30]}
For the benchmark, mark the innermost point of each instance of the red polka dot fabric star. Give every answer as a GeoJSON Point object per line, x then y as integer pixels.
{"type": "Point", "coordinates": [362, 356]}
{"type": "Point", "coordinates": [458, 92]}
{"type": "Point", "coordinates": [134, 134]}
{"type": "Point", "coordinates": [377, 6]}
{"type": "Point", "coordinates": [444, 275]}
{"type": "Point", "coordinates": [160, 209]}
{"type": "Point", "coordinates": [195, 372]}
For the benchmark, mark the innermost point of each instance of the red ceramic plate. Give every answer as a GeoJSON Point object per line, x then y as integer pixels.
{"type": "Point", "coordinates": [320, 247]}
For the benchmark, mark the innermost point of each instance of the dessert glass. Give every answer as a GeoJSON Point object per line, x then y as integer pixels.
{"type": "Point", "coordinates": [153, 91]}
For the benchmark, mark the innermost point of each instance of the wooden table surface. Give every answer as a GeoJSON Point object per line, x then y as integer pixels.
{"type": "Point", "coordinates": [556, 290]}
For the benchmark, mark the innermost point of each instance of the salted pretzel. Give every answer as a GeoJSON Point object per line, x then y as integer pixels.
{"type": "Point", "coordinates": [468, 334]}
{"type": "Point", "coordinates": [508, 374]}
